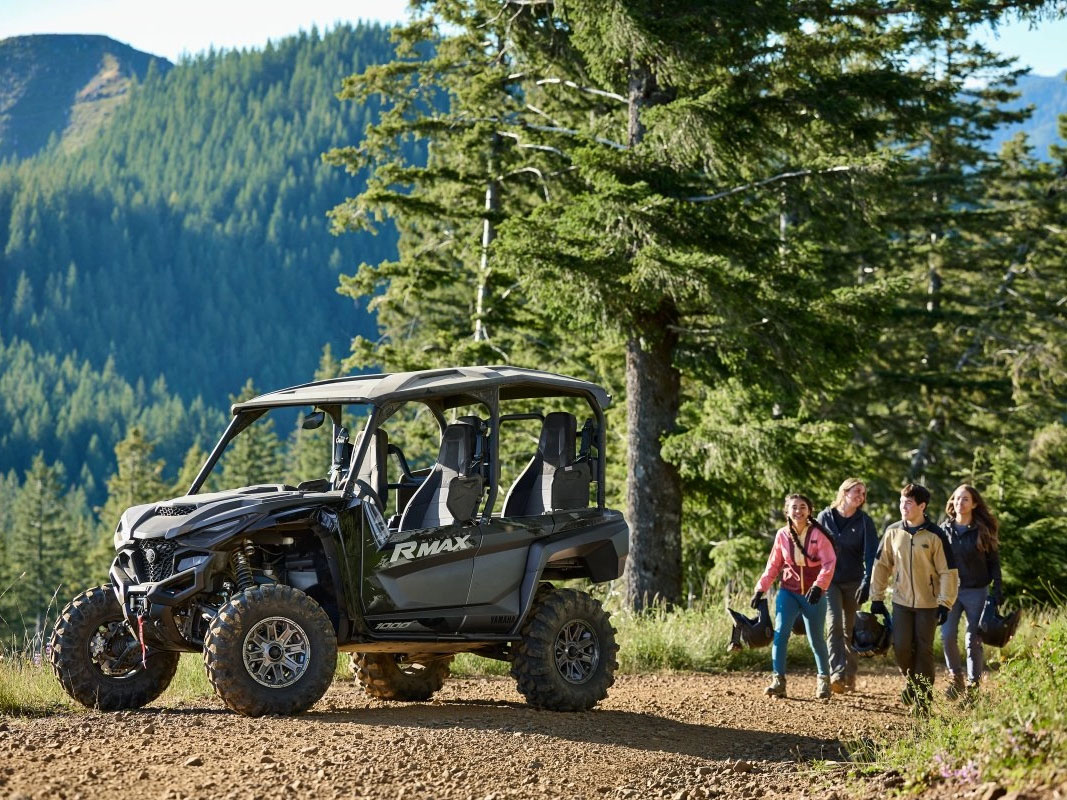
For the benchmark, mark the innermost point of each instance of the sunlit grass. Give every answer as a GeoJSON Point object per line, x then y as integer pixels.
{"type": "Point", "coordinates": [1014, 731]}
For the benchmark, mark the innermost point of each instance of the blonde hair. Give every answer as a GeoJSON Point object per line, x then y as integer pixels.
{"type": "Point", "coordinates": [846, 486]}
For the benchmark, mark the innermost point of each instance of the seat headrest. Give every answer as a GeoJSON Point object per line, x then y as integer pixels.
{"type": "Point", "coordinates": [459, 442]}
{"type": "Point", "coordinates": [557, 438]}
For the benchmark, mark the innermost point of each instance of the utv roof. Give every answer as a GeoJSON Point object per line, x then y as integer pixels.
{"type": "Point", "coordinates": [455, 386]}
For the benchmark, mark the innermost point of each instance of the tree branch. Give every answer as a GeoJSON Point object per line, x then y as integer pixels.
{"type": "Point", "coordinates": [587, 89]}
{"type": "Point", "coordinates": [803, 173]}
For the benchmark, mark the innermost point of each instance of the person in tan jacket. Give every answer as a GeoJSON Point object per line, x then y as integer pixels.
{"type": "Point", "coordinates": [916, 556]}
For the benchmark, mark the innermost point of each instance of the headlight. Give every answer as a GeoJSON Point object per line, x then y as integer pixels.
{"type": "Point", "coordinates": [121, 537]}
{"type": "Point", "coordinates": [188, 562]}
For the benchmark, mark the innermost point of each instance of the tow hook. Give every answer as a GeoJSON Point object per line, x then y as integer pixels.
{"type": "Point", "coordinates": [140, 638]}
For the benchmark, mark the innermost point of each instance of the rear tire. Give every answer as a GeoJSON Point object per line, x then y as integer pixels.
{"type": "Point", "coordinates": [566, 659]}
{"type": "Point", "coordinates": [90, 655]}
{"type": "Point", "coordinates": [388, 677]}
{"type": "Point", "coordinates": [271, 650]}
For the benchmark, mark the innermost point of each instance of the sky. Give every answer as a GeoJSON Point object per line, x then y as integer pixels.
{"type": "Point", "coordinates": [172, 29]}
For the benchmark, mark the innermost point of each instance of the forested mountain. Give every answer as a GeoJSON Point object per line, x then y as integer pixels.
{"type": "Point", "coordinates": [1048, 96]}
{"type": "Point", "coordinates": [189, 239]}
{"type": "Point", "coordinates": [63, 86]}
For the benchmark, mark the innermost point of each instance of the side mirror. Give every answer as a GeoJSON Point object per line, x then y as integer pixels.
{"type": "Point", "coordinates": [313, 420]}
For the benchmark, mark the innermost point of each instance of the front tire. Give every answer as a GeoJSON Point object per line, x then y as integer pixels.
{"type": "Point", "coordinates": [98, 660]}
{"type": "Point", "coordinates": [270, 650]}
{"type": "Point", "coordinates": [389, 677]}
{"type": "Point", "coordinates": [566, 659]}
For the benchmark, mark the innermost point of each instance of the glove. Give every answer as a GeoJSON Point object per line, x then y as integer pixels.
{"type": "Point", "coordinates": [878, 607]}
{"type": "Point", "coordinates": [756, 598]}
{"type": "Point", "coordinates": [814, 595]}
{"type": "Point", "coordinates": [863, 594]}
{"type": "Point", "coordinates": [942, 614]}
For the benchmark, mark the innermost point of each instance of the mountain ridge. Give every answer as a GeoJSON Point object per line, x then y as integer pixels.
{"type": "Point", "coordinates": [64, 86]}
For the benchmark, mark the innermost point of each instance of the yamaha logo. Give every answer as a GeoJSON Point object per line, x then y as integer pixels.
{"type": "Point", "coordinates": [150, 556]}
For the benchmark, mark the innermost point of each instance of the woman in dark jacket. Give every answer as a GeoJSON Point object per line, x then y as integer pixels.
{"type": "Point", "coordinates": [972, 532]}
{"type": "Point", "coordinates": [856, 542]}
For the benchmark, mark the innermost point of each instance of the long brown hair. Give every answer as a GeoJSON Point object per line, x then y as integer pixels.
{"type": "Point", "coordinates": [988, 527]}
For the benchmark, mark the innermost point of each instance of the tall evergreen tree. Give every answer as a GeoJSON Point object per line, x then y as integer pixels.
{"type": "Point", "coordinates": [41, 545]}
{"type": "Point", "coordinates": [255, 455]}
{"type": "Point", "coordinates": [708, 170]}
{"type": "Point", "coordinates": [138, 479]}
{"type": "Point", "coordinates": [307, 455]}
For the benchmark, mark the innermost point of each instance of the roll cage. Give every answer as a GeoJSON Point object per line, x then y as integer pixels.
{"type": "Point", "coordinates": [439, 391]}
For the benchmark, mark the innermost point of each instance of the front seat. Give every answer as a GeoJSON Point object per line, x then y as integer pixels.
{"type": "Point", "coordinates": [372, 470]}
{"type": "Point", "coordinates": [454, 487]}
{"type": "Point", "coordinates": [552, 481]}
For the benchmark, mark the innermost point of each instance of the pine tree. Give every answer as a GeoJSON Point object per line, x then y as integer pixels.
{"type": "Point", "coordinates": [255, 455]}
{"type": "Point", "coordinates": [710, 177]}
{"type": "Point", "coordinates": [138, 479]}
{"type": "Point", "coordinates": [308, 453]}
{"type": "Point", "coordinates": [41, 546]}
{"type": "Point", "coordinates": [194, 459]}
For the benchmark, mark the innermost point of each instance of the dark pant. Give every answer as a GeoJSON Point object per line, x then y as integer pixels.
{"type": "Point", "coordinates": [840, 618]}
{"type": "Point", "coordinates": [913, 646]}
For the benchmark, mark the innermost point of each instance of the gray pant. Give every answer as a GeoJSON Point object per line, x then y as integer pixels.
{"type": "Point", "coordinates": [841, 615]}
{"type": "Point", "coordinates": [969, 602]}
{"type": "Point", "coordinates": [913, 646]}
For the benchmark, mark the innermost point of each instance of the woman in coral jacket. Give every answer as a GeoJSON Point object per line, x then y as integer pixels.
{"type": "Point", "coordinates": [803, 558]}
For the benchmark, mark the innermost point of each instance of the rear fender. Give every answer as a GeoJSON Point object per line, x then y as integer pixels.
{"type": "Point", "coordinates": [602, 548]}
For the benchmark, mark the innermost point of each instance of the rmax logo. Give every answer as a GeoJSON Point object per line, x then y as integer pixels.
{"type": "Point", "coordinates": [413, 550]}
{"type": "Point", "coordinates": [392, 626]}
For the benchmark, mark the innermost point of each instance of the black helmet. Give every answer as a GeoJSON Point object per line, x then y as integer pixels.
{"type": "Point", "coordinates": [871, 637]}
{"type": "Point", "coordinates": [798, 626]}
{"type": "Point", "coordinates": [995, 629]}
{"type": "Point", "coordinates": [751, 632]}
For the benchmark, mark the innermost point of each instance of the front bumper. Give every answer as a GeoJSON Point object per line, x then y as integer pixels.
{"type": "Point", "coordinates": [154, 593]}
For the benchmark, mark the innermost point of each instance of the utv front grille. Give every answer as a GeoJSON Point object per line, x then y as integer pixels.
{"type": "Point", "coordinates": [174, 511]}
{"type": "Point", "coordinates": [154, 559]}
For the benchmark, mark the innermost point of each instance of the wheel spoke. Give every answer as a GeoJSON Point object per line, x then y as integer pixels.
{"type": "Point", "coordinates": [576, 651]}
{"type": "Point", "coordinates": [277, 652]}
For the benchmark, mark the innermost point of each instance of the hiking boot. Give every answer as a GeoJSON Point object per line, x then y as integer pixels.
{"type": "Point", "coordinates": [956, 686]}
{"type": "Point", "coordinates": [838, 684]}
{"type": "Point", "coordinates": [777, 687]}
{"type": "Point", "coordinates": [850, 683]}
{"type": "Point", "coordinates": [822, 687]}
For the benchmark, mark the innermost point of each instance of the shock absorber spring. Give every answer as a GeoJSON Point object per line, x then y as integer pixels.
{"type": "Point", "coordinates": [241, 569]}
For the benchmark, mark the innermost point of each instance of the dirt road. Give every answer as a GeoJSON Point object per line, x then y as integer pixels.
{"type": "Point", "coordinates": [671, 735]}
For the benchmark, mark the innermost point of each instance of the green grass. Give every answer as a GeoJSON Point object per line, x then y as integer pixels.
{"type": "Point", "coordinates": [1014, 733]}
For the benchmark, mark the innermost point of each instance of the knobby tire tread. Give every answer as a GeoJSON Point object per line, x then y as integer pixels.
{"type": "Point", "coordinates": [380, 677]}
{"type": "Point", "coordinates": [224, 662]}
{"type": "Point", "coordinates": [82, 679]}
{"type": "Point", "coordinates": [533, 665]}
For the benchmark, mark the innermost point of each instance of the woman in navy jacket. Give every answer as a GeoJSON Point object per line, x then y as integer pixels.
{"type": "Point", "coordinates": [856, 542]}
{"type": "Point", "coordinates": [972, 532]}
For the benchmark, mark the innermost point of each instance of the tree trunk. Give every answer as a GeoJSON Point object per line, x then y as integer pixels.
{"type": "Point", "coordinates": [492, 205]}
{"type": "Point", "coordinates": [653, 487]}
{"type": "Point", "coordinates": [653, 390]}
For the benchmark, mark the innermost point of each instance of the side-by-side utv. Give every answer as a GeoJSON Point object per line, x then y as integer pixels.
{"type": "Point", "coordinates": [401, 564]}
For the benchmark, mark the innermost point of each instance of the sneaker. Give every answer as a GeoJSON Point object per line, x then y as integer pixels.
{"type": "Point", "coordinates": [777, 687]}
{"type": "Point", "coordinates": [838, 685]}
{"type": "Point", "coordinates": [956, 687]}
{"type": "Point", "coordinates": [822, 688]}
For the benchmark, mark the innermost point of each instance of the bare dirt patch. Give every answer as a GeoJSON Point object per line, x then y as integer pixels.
{"type": "Point", "coordinates": [684, 736]}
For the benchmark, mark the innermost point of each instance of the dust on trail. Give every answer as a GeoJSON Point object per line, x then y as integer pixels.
{"type": "Point", "coordinates": [676, 735]}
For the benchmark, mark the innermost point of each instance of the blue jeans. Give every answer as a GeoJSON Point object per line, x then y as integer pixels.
{"type": "Point", "coordinates": [786, 607]}
{"type": "Point", "coordinates": [969, 602]}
